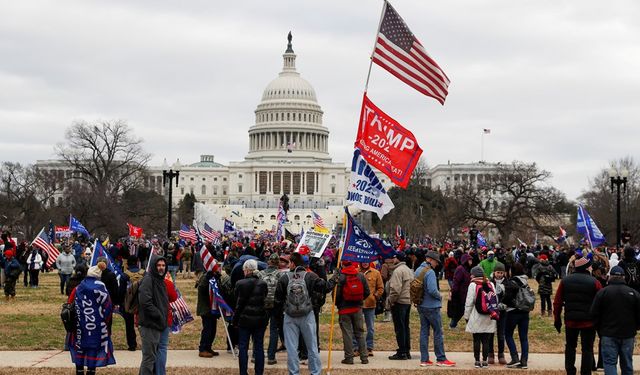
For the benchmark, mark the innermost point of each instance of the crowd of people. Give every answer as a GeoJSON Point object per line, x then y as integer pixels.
{"type": "Point", "coordinates": [279, 286]}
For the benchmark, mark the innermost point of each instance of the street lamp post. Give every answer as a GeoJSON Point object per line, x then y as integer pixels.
{"type": "Point", "coordinates": [170, 175]}
{"type": "Point", "coordinates": [617, 180]}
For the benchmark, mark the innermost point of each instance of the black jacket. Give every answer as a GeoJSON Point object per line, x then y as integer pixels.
{"type": "Point", "coordinates": [578, 291]}
{"type": "Point", "coordinates": [249, 309]}
{"type": "Point", "coordinates": [622, 321]}
{"type": "Point", "coordinates": [153, 299]}
{"type": "Point", "coordinates": [111, 282]}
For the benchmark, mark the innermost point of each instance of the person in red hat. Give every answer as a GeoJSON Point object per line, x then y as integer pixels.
{"type": "Point", "coordinates": [12, 272]}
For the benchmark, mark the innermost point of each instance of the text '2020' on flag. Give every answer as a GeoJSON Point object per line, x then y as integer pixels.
{"type": "Point", "coordinates": [588, 228]}
{"type": "Point", "coordinates": [360, 247]}
{"type": "Point", "coordinates": [386, 144]}
{"type": "Point", "coordinates": [400, 53]}
{"type": "Point", "coordinates": [365, 189]}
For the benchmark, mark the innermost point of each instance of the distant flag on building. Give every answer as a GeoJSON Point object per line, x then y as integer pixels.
{"type": "Point", "coordinates": [187, 233]}
{"type": "Point", "coordinates": [563, 236]}
{"type": "Point", "coordinates": [588, 228]}
{"type": "Point", "coordinates": [76, 226]}
{"type": "Point", "coordinates": [481, 240]}
{"type": "Point", "coordinates": [486, 131]}
{"type": "Point", "coordinates": [43, 242]}
{"type": "Point", "coordinates": [318, 223]}
{"type": "Point", "coordinates": [228, 226]}
{"type": "Point", "coordinates": [135, 232]}
{"type": "Point", "coordinates": [400, 53]}
{"type": "Point", "coordinates": [365, 189]}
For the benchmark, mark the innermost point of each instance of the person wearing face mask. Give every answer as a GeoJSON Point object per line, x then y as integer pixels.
{"type": "Point", "coordinates": [489, 263]}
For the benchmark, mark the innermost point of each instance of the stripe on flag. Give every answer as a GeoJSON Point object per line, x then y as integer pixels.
{"type": "Point", "coordinates": [43, 242]}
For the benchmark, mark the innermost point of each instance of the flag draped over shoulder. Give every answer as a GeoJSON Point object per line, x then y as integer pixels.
{"type": "Point", "coordinates": [365, 189]}
{"type": "Point", "coordinates": [588, 228]}
{"type": "Point", "coordinates": [217, 302]}
{"type": "Point", "coordinates": [360, 247]}
{"type": "Point", "coordinates": [43, 242]}
{"type": "Point", "coordinates": [400, 53]}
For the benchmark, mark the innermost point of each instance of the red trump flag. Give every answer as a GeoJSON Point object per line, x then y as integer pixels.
{"type": "Point", "coordinates": [134, 231]}
{"type": "Point", "coordinates": [386, 144]}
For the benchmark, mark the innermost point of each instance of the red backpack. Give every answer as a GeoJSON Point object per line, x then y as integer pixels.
{"type": "Point", "coordinates": [353, 289]}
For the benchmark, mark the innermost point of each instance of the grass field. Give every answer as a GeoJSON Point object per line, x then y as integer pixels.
{"type": "Point", "coordinates": [32, 322]}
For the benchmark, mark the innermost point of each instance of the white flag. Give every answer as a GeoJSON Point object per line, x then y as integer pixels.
{"type": "Point", "coordinates": [365, 189]}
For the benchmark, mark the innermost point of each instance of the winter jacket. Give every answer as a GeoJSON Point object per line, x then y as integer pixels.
{"type": "Point", "coordinates": [399, 284]}
{"type": "Point", "coordinates": [576, 293]}
{"type": "Point", "coordinates": [12, 268]}
{"type": "Point", "coordinates": [511, 287]}
{"type": "Point", "coordinates": [203, 306]}
{"type": "Point", "coordinates": [348, 307]}
{"type": "Point", "coordinates": [376, 287]}
{"type": "Point", "coordinates": [313, 282]}
{"type": "Point", "coordinates": [153, 299]}
{"type": "Point", "coordinates": [450, 265]}
{"type": "Point", "coordinates": [488, 266]}
{"type": "Point", "coordinates": [111, 282]}
{"type": "Point", "coordinates": [431, 298]}
{"type": "Point", "coordinates": [249, 310]}
{"type": "Point", "coordinates": [476, 322]}
{"type": "Point", "coordinates": [461, 280]}
{"type": "Point", "coordinates": [544, 275]}
{"type": "Point", "coordinates": [37, 261]}
{"type": "Point", "coordinates": [66, 263]}
{"type": "Point", "coordinates": [620, 322]}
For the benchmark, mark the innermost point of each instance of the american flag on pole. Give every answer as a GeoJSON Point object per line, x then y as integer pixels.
{"type": "Point", "coordinates": [211, 235]}
{"type": "Point", "coordinates": [187, 233]}
{"type": "Point", "coordinates": [43, 242]}
{"type": "Point", "coordinates": [399, 52]}
{"type": "Point", "coordinates": [318, 223]}
{"type": "Point", "coordinates": [179, 310]}
{"type": "Point", "coordinates": [208, 261]}
{"type": "Point", "coordinates": [486, 131]}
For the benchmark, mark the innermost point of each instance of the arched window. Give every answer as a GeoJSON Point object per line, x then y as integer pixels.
{"type": "Point", "coordinates": [296, 217]}
{"type": "Point", "coordinates": [273, 217]}
{"type": "Point", "coordinates": [277, 117]}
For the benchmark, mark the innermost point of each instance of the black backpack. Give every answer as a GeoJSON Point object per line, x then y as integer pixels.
{"type": "Point", "coordinates": [68, 316]}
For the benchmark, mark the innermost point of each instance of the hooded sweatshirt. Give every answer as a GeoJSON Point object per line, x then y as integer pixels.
{"type": "Point", "coordinates": [461, 280]}
{"type": "Point", "coordinates": [153, 298]}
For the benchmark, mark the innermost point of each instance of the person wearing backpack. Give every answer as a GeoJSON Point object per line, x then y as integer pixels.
{"type": "Point", "coordinates": [545, 275]}
{"type": "Point", "coordinates": [516, 289]}
{"type": "Point", "coordinates": [428, 299]}
{"type": "Point", "coordinates": [576, 293]}
{"type": "Point", "coordinates": [134, 275]}
{"type": "Point", "coordinates": [293, 295]}
{"type": "Point", "coordinates": [352, 289]}
{"type": "Point", "coordinates": [481, 313]}
{"type": "Point", "coordinates": [270, 276]}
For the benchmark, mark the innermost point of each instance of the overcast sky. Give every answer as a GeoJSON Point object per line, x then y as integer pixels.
{"type": "Point", "coordinates": [557, 82]}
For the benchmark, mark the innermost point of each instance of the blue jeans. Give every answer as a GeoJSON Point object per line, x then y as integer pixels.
{"type": "Point", "coordinates": [293, 328]}
{"type": "Point", "coordinates": [431, 318]}
{"type": "Point", "coordinates": [161, 359]}
{"type": "Point", "coordinates": [369, 319]}
{"type": "Point", "coordinates": [244, 334]}
{"type": "Point", "coordinates": [518, 319]}
{"type": "Point", "coordinates": [611, 349]}
{"type": "Point", "coordinates": [63, 281]}
{"type": "Point", "coordinates": [273, 334]}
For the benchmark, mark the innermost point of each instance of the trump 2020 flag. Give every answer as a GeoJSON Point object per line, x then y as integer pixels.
{"type": "Point", "coordinates": [76, 226]}
{"type": "Point", "coordinates": [588, 228]}
{"type": "Point", "coordinates": [218, 304]}
{"type": "Point", "coordinates": [100, 251]}
{"type": "Point", "coordinates": [365, 189]}
{"type": "Point", "coordinates": [360, 247]}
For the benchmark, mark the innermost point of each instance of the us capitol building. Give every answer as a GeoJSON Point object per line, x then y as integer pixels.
{"type": "Point", "coordinates": [288, 154]}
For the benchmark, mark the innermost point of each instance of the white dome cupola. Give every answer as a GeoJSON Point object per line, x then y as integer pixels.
{"type": "Point", "coordinates": [288, 120]}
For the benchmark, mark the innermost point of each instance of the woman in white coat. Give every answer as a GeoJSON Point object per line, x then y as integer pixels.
{"type": "Point", "coordinates": [481, 325]}
{"type": "Point", "coordinates": [34, 263]}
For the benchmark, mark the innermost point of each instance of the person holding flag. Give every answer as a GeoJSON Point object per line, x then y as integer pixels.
{"type": "Point", "coordinates": [208, 315]}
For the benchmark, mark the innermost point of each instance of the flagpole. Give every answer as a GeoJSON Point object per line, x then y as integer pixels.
{"type": "Point", "coordinates": [384, 7]}
{"type": "Point", "coordinates": [226, 329]}
{"type": "Point", "coordinates": [335, 291]}
{"type": "Point", "coordinates": [482, 147]}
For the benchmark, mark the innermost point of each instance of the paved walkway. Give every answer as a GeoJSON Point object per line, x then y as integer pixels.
{"type": "Point", "coordinates": [189, 358]}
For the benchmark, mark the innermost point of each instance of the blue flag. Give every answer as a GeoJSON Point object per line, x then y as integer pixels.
{"type": "Point", "coordinates": [217, 302]}
{"type": "Point", "coordinates": [360, 247]}
{"type": "Point", "coordinates": [100, 251]}
{"type": "Point", "coordinates": [481, 240]}
{"type": "Point", "coordinates": [76, 226]}
{"type": "Point", "coordinates": [228, 226]}
{"type": "Point", "coordinates": [588, 228]}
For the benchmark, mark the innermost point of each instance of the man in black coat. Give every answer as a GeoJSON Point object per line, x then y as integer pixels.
{"type": "Point", "coordinates": [250, 317]}
{"type": "Point", "coordinates": [617, 326]}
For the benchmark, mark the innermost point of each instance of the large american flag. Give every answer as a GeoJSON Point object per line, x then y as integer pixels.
{"type": "Point", "coordinates": [187, 233]}
{"type": "Point", "coordinates": [208, 261]}
{"type": "Point", "coordinates": [399, 52]}
{"type": "Point", "coordinates": [43, 242]}
{"type": "Point", "coordinates": [179, 310]}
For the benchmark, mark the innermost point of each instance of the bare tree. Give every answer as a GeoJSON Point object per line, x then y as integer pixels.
{"type": "Point", "coordinates": [516, 197]}
{"type": "Point", "coordinates": [600, 200]}
{"type": "Point", "coordinates": [105, 155]}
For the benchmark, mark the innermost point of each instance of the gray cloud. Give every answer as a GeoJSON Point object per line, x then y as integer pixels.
{"type": "Point", "coordinates": [557, 82]}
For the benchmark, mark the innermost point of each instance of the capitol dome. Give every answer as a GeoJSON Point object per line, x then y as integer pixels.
{"type": "Point", "coordinates": [288, 119]}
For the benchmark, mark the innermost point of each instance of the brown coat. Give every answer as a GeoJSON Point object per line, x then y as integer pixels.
{"type": "Point", "coordinates": [376, 287]}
